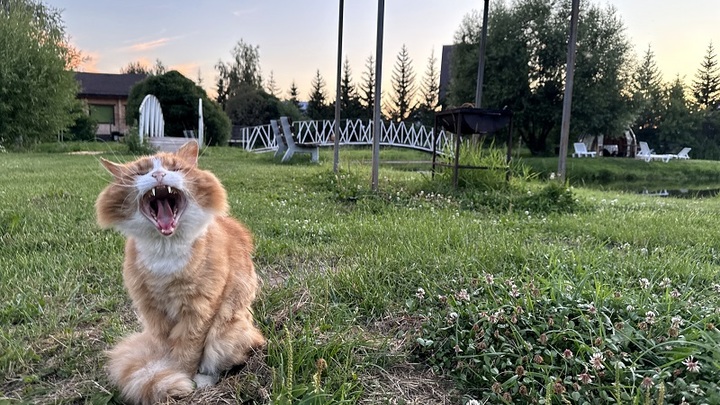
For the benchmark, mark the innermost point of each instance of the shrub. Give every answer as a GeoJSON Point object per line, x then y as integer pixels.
{"type": "Point", "coordinates": [134, 145]}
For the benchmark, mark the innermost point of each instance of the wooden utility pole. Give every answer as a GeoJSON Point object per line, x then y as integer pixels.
{"type": "Point", "coordinates": [336, 127]}
{"type": "Point", "coordinates": [567, 99]}
{"type": "Point", "coordinates": [481, 58]}
{"type": "Point", "coordinates": [377, 113]}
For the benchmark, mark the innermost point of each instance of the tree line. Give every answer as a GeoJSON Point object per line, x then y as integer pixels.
{"type": "Point", "coordinates": [525, 72]}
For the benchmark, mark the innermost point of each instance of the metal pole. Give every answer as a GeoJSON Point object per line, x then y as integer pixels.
{"type": "Point", "coordinates": [481, 60]}
{"type": "Point", "coordinates": [336, 128]}
{"type": "Point", "coordinates": [567, 99]}
{"type": "Point", "coordinates": [377, 117]}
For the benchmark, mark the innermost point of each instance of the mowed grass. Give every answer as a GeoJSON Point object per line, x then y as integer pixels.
{"type": "Point", "coordinates": [343, 271]}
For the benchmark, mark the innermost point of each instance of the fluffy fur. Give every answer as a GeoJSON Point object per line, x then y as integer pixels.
{"type": "Point", "coordinates": [189, 272]}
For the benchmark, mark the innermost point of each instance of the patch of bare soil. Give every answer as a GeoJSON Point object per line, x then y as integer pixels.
{"type": "Point", "coordinates": [406, 383]}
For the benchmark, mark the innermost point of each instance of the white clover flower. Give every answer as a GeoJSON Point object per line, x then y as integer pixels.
{"type": "Point", "coordinates": [677, 321]}
{"type": "Point", "coordinates": [596, 359]}
{"type": "Point", "coordinates": [644, 283]}
{"type": "Point", "coordinates": [665, 283]}
{"type": "Point", "coordinates": [420, 294]}
{"type": "Point", "coordinates": [650, 317]}
{"type": "Point", "coordinates": [462, 295]}
{"type": "Point", "coordinates": [692, 365]}
{"type": "Point", "coordinates": [489, 279]}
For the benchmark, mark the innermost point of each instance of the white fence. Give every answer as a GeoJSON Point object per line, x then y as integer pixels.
{"type": "Point", "coordinates": [352, 132]}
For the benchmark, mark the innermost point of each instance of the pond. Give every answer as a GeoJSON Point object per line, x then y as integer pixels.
{"type": "Point", "coordinates": [681, 192]}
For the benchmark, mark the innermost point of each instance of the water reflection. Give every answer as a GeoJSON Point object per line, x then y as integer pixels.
{"type": "Point", "coordinates": [682, 192]}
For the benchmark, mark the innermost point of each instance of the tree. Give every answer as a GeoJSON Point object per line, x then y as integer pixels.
{"type": "Point", "coordinates": [677, 124]}
{"type": "Point", "coordinates": [294, 93]}
{"type": "Point", "coordinates": [403, 86]}
{"type": "Point", "coordinates": [367, 89]}
{"type": "Point", "coordinates": [350, 105]}
{"type": "Point", "coordinates": [647, 99]}
{"type": "Point", "coordinates": [178, 97]}
{"type": "Point", "coordinates": [159, 67]}
{"type": "Point", "coordinates": [243, 69]}
{"type": "Point", "coordinates": [429, 91]}
{"type": "Point", "coordinates": [525, 69]}
{"type": "Point", "coordinates": [251, 106]}
{"type": "Point", "coordinates": [271, 85]}
{"type": "Point", "coordinates": [38, 88]}
{"type": "Point", "coordinates": [706, 86]}
{"type": "Point", "coordinates": [317, 107]}
{"type": "Point", "coordinates": [138, 67]}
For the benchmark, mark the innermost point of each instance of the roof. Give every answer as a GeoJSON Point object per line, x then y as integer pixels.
{"type": "Point", "coordinates": [107, 84]}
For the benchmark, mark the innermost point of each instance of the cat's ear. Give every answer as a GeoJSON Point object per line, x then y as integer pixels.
{"type": "Point", "coordinates": [189, 153]}
{"type": "Point", "coordinates": [115, 169]}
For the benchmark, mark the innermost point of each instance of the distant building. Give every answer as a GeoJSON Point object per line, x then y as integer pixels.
{"type": "Point", "coordinates": [106, 95]}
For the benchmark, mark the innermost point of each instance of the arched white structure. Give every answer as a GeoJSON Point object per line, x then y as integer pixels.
{"type": "Point", "coordinates": [151, 121]}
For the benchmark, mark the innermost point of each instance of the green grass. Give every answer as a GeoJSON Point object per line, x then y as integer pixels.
{"type": "Point", "coordinates": [342, 268]}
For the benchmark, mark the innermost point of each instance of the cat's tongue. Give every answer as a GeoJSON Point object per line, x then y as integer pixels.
{"type": "Point", "coordinates": [165, 217]}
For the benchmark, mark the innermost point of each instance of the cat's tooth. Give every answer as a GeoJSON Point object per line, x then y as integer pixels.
{"type": "Point", "coordinates": [153, 191]}
{"type": "Point", "coordinates": [170, 190]}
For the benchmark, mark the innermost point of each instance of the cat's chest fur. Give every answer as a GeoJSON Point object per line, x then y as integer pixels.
{"type": "Point", "coordinates": [163, 257]}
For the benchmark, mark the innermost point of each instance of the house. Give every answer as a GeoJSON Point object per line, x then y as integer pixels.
{"type": "Point", "coordinates": [106, 95]}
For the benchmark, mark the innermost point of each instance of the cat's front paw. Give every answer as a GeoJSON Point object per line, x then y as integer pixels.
{"type": "Point", "coordinates": [205, 380]}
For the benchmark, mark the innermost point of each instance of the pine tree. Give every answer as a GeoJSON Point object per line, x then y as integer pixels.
{"type": "Point", "coordinates": [429, 91]}
{"type": "Point", "coordinates": [677, 123]}
{"type": "Point", "coordinates": [317, 108]}
{"type": "Point", "coordinates": [294, 93]}
{"type": "Point", "coordinates": [706, 86]}
{"type": "Point", "coordinates": [403, 86]}
{"type": "Point", "coordinates": [367, 89]}
{"type": "Point", "coordinates": [271, 85]}
{"type": "Point", "coordinates": [349, 99]}
{"type": "Point", "coordinates": [647, 97]}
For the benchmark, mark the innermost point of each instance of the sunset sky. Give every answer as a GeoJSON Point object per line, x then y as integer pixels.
{"type": "Point", "coordinates": [296, 38]}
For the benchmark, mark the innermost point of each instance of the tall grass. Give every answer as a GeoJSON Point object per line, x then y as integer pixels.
{"type": "Point", "coordinates": [381, 297]}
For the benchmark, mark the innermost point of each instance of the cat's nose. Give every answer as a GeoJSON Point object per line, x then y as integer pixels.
{"type": "Point", "coordinates": [158, 176]}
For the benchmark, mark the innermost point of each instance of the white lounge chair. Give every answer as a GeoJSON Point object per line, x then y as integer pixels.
{"type": "Point", "coordinates": [683, 154]}
{"type": "Point", "coordinates": [647, 154]}
{"type": "Point", "coordinates": [279, 139]}
{"type": "Point", "coordinates": [581, 150]}
{"type": "Point", "coordinates": [294, 147]}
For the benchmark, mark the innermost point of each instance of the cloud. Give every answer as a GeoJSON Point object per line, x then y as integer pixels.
{"type": "Point", "coordinates": [189, 70]}
{"type": "Point", "coordinates": [90, 62]}
{"type": "Point", "coordinates": [144, 46]}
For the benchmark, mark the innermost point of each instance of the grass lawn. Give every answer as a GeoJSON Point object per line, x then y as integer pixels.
{"type": "Point", "coordinates": [532, 293]}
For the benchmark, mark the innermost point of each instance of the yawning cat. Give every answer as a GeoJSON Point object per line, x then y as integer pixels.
{"type": "Point", "coordinates": [188, 270]}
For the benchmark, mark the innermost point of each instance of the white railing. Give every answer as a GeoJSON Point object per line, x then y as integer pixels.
{"type": "Point", "coordinates": [352, 132]}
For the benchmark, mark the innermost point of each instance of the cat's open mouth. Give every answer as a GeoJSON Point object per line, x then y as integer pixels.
{"type": "Point", "coordinates": [163, 206]}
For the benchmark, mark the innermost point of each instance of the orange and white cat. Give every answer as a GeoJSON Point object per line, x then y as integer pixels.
{"type": "Point", "coordinates": [189, 272]}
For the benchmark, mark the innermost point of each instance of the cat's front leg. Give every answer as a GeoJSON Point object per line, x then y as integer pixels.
{"type": "Point", "coordinates": [186, 340]}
